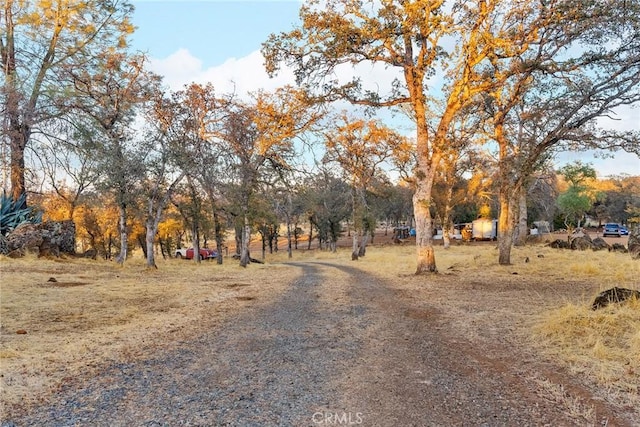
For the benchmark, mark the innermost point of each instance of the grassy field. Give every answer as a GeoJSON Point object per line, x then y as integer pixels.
{"type": "Point", "coordinates": [96, 312]}
{"type": "Point", "coordinates": [65, 318]}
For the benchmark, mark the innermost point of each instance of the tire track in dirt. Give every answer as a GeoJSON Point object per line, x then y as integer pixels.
{"type": "Point", "coordinates": [416, 371]}
{"type": "Point", "coordinates": [338, 348]}
{"type": "Point", "coordinates": [268, 366]}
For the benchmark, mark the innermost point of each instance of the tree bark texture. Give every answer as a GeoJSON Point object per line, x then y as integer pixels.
{"type": "Point", "coordinates": [289, 239]}
{"type": "Point", "coordinates": [506, 194]}
{"type": "Point", "coordinates": [426, 259]}
{"type": "Point", "coordinates": [218, 235]}
{"type": "Point", "coordinates": [195, 240]}
{"type": "Point", "coordinates": [362, 249]}
{"type": "Point", "coordinates": [424, 232]}
{"type": "Point", "coordinates": [18, 143]}
{"type": "Point", "coordinates": [150, 238]}
{"type": "Point", "coordinates": [523, 227]}
{"type": "Point", "coordinates": [124, 235]}
{"type": "Point", "coordinates": [506, 222]}
{"type": "Point", "coordinates": [246, 234]}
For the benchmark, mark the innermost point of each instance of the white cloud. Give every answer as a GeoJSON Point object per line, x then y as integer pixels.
{"type": "Point", "coordinates": [239, 75]}
{"type": "Point", "coordinates": [178, 69]}
{"type": "Point", "coordinates": [247, 74]}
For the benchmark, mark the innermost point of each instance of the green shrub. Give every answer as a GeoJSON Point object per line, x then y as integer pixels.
{"type": "Point", "coordinates": [12, 214]}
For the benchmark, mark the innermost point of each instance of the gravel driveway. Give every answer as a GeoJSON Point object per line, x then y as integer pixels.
{"type": "Point", "coordinates": [339, 348]}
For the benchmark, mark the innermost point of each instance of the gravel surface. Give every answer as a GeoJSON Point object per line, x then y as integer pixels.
{"type": "Point", "coordinates": [339, 348]}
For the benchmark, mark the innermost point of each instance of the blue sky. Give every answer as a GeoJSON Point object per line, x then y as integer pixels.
{"type": "Point", "coordinates": [213, 30]}
{"type": "Point", "coordinates": [219, 41]}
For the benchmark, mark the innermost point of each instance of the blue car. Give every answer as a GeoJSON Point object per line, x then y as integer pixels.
{"type": "Point", "coordinates": [611, 229]}
{"type": "Point", "coordinates": [624, 231]}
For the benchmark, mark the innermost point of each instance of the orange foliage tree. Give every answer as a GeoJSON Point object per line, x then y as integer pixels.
{"type": "Point", "coordinates": [362, 148]}
{"type": "Point", "coordinates": [406, 36]}
{"type": "Point", "coordinates": [97, 226]}
{"type": "Point", "coordinates": [55, 208]}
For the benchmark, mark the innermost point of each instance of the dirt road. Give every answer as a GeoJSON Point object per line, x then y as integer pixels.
{"type": "Point", "coordinates": [339, 348]}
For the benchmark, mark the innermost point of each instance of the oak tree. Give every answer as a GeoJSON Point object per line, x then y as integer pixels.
{"type": "Point", "coordinates": [412, 37]}
{"type": "Point", "coordinates": [184, 121]}
{"type": "Point", "coordinates": [109, 90]}
{"type": "Point", "coordinates": [570, 64]}
{"type": "Point", "coordinates": [38, 39]}
{"type": "Point", "coordinates": [257, 136]}
{"type": "Point", "coordinates": [361, 148]}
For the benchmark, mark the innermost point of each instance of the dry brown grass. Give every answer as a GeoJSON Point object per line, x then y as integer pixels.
{"type": "Point", "coordinates": [97, 312]}
{"type": "Point", "coordinates": [572, 405]}
{"type": "Point", "coordinates": [602, 344]}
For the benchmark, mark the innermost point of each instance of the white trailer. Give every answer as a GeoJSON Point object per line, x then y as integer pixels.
{"type": "Point", "coordinates": [484, 229]}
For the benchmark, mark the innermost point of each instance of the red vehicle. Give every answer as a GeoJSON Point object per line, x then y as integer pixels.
{"type": "Point", "coordinates": [205, 253]}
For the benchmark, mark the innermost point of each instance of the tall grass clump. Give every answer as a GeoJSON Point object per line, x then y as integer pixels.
{"type": "Point", "coordinates": [603, 344]}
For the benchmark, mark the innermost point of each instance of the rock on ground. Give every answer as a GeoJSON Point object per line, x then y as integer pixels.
{"type": "Point", "coordinates": [614, 295]}
{"type": "Point", "coordinates": [582, 243]}
{"type": "Point", "coordinates": [47, 238]}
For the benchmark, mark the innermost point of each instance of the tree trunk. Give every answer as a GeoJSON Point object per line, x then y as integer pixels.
{"type": "Point", "coordinates": [109, 247]}
{"type": "Point", "coordinates": [142, 241]}
{"type": "Point", "coordinates": [264, 245]}
{"type": "Point", "coordinates": [218, 235]}
{"type": "Point", "coordinates": [362, 250]}
{"type": "Point", "coordinates": [446, 240]}
{"type": "Point", "coordinates": [289, 240]}
{"type": "Point", "coordinates": [195, 240]}
{"type": "Point", "coordinates": [124, 236]}
{"type": "Point", "coordinates": [504, 234]}
{"type": "Point", "coordinates": [424, 172]}
{"type": "Point", "coordinates": [150, 237]}
{"type": "Point", "coordinates": [244, 252]}
{"type": "Point", "coordinates": [164, 244]}
{"type": "Point", "coordinates": [151, 229]}
{"type": "Point", "coordinates": [424, 226]}
{"type": "Point", "coordinates": [238, 238]}
{"type": "Point", "coordinates": [505, 227]}
{"type": "Point", "coordinates": [354, 247]}
{"type": "Point", "coordinates": [505, 223]}
{"type": "Point", "coordinates": [18, 145]}
{"type": "Point", "coordinates": [72, 209]}
{"type": "Point", "coordinates": [92, 241]}
{"type": "Point", "coordinates": [154, 215]}
{"type": "Point", "coordinates": [19, 131]}
{"type": "Point", "coordinates": [447, 223]}
{"type": "Point", "coordinates": [357, 225]}
{"type": "Point", "coordinates": [523, 227]}
{"type": "Point", "coordinates": [360, 222]}
{"type": "Point", "coordinates": [267, 239]}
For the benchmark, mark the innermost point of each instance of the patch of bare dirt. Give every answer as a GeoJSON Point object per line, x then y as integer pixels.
{"type": "Point", "coordinates": [56, 284]}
